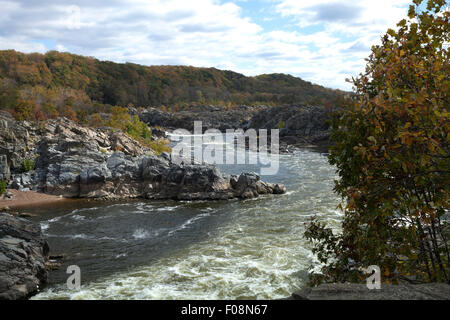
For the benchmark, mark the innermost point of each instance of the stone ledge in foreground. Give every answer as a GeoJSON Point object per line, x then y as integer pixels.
{"type": "Point", "coordinates": [23, 253]}
{"type": "Point", "coordinates": [351, 291]}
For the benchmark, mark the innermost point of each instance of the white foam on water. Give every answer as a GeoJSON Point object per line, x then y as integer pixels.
{"type": "Point", "coordinates": [55, 219]}
{"type": "Point", "coordinates": [167, 208]}
{"type": "Point", "coordinates": [140, 234]}
{"type": "Point", "coordinates": [78, 217]}
{"type": "Point", "coordinates": [80, 236]}
{"type": "Point", "coordinates": [187, 223]}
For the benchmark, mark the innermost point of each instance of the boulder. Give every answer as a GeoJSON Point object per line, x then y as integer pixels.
{"type": "Point", "coordinates": [23, 254]}
{"type": "Point", "coordinates": [249, 185]}
{"type": "Point", "coordinates": [22, 181]}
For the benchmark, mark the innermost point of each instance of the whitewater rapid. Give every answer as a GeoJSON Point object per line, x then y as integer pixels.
{"type": "Point", "coordinates": [252, 249]}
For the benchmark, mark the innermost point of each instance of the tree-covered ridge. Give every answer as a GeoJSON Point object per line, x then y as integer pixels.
{"type": "Point", "coordinates": [73, 86]}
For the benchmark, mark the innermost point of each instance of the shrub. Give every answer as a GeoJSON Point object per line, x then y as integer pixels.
{"type": "Point", "coordinates": [27, 165]}
{"type": "Point", "coordinates": [96, 120]}
{"type": "Point", "coordinates": [136, 129]}
{"type": "Point", "coordinates": [160, 146]}
{"type": "Point", "coordinates": [3, 186]}
{"type": "Point", "coordinates": [121, 119]}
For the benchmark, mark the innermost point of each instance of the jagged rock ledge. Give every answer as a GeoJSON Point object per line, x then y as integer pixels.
{"type": "Point", "coordinates": [351, 291]}
{"type": "Point", "coordinates": [80, 162]}
{"type": "Point", "coordinates": [23, 257]}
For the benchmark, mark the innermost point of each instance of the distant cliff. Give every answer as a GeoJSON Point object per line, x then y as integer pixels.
{"type": "Point", "coordinates": [299, 125]}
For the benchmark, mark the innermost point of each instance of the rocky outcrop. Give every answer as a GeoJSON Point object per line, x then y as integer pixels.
{"type": "Point", "coordinates": [16, 142]}
{"type": "Point", "coordinates": [23, 255]}
{"type": "Point", "coordinates": [77, 169]}
{"type": "Point", "coordinates": [351, 291]}
{"type": "Point", "coordinates": [299, 125]}
{"type": "Point", "coordinates": [79, 162]}
{"type": "Point", "coordinates": [212, 117]}
{"type": "Point", "coordinates": [19, 139]}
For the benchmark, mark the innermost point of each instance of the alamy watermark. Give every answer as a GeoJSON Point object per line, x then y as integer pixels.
{"type": "Point", "coordinates": [374, 280]}
{"type": "Point", "coordinates": [211, 147]}
{"type": "Point", "coordinates": [74, 280]}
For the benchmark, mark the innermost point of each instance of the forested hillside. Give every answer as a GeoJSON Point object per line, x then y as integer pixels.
{"type": "Point", "coordinates": [40, 86]}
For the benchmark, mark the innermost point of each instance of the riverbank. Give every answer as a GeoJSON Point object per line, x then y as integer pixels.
{"type": "Point", "coordinates": [14, 199]}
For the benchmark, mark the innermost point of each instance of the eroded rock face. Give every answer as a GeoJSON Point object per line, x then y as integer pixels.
{"type": "Point", "coordinates": [23, 254]}
{"type": "Point", "coordinates": [351, 291]}
{"type": "Point", "coordinates": [16, 141]}
{"type": "Point", "coordinates": [299, 125]}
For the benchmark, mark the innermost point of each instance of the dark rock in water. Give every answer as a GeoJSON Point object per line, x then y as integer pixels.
{"type": "Point", "coordinates": [351, 291]}
{"type": "Point", "coordinates": [23, 255]}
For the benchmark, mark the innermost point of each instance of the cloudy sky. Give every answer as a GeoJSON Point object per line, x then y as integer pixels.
{"type": "Point", "coordinates": [322, 41]}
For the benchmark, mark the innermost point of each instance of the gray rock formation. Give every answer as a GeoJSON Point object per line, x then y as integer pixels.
{"type": "Point", "coordinates": [77, 169]}
{"type": "Point", "coordinates": [78, 162]}
{"type": "Point", "coordinates": [299, 125]}
{"type": "Point", "coordinates": [23, 254]}
{"type": "Point", "coordinates": [351, 291]}
{"type": "Point", "coordinates": [16, 141]}
{"type": "Point", "coordinates": [212, 117]}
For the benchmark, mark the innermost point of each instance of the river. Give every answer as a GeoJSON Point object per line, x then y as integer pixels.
{"type": "Point", "coordinates": [252, 249]}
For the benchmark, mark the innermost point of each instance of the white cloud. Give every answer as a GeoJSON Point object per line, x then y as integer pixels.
{"type": "Point", "coordinates": [209, 33]}
{"type": "Point", "coordinates": [350, 28]}
{"type": "Point", "coordinates": [345, 14]}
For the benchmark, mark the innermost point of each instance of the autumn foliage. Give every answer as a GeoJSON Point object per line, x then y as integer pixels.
{"type": "Point", "coordinates": [121, 119]}
{"type": "Point", "coordinates": [392, 154]}
{"type": "Point", "coordinates": [35, 86]}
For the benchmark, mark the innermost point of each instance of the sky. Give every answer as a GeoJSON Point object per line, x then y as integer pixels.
{"type": "Point", "coordinates": [321, 41]}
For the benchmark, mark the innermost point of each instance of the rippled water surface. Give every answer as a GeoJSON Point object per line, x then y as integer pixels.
{"type": "Point", "coordinates": [252, 249]}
